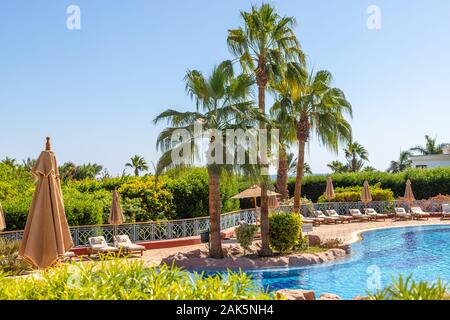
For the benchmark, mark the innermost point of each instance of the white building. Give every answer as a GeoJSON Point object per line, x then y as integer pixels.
{"type": "Point", "coordinates": [432, 160]}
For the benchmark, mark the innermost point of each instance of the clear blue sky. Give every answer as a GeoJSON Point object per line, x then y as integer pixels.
{"type": "Point", "coordinates": [97, 90]}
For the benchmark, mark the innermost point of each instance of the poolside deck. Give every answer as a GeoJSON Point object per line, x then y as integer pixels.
{"type": "Point", "coordinates": [348, 233]}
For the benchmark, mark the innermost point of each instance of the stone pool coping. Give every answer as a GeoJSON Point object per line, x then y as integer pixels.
{"type": "Point", "coordinates": [357, 236]}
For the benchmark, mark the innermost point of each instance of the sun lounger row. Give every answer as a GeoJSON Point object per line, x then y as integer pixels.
{"type": "Point", "coordinates": [122, 243]}
{"type": "Point", "coordinates": [331, 216]}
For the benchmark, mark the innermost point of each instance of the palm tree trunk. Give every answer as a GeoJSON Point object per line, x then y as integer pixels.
{"type": "Point", "coordinates": [265, 244]}
{"type": "Point", "coordinates": [215, 250]}
{"type": "Point", "coordinates": [302, 136]}
{"type": "Point", "coordinates": [299, 177]}
{"type": "Point", "coordinates": [282, 174]}
{"type": "Point", "coordinates": [136, 172]}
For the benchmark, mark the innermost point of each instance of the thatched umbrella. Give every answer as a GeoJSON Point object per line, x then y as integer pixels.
{"type": "Point", "coordinates": [116, 214]}
{"type": "Point", "coordinates": [366, 197]}
{"type": "Point", "coordinates": [2, 219]}
{"type": "Point", "coordinates": [47, 235]}
{"type": "Point", "coordinates": [252, 193]}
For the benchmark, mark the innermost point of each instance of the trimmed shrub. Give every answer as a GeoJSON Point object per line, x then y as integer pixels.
{"type": "Point", "coordinates": [426, 183]}
{"type": "Point", "coordinates": [353, 194]}
{"type": "Point", "coordinates": [245, 234]}
{"type": "Point", "coordinates": [86, 208]}
{"type": "Point", "coordinates": [285, 231]}
{"type": "Point", "coordinates": [190, 190]}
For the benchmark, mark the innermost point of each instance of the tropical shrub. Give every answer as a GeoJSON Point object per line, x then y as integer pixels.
{"type": "Point", "coordinates": [285, 231]}
{"type": "Point", "coordinates": [10, 263]}
{"type": "Point", "coordinates": [245, 233]}
{"type": "Point", "coordinates": [128, 280]}
{"type": "Point", "coordinates": [353, 194]}
{"type": "Point", "coordinates": [408, 289]}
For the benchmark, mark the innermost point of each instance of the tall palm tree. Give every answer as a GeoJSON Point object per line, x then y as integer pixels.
{"type": "Point", "coordinates": [222, 103]}
{"type": "Point", "coordinates": [316, 108]}
{"type": "Point", "coordinates": [282, 120]}
{"type": "Point", "coordinates": [138, 164]}
{"type": "Point", "coordinates": [431, 147]}
{"type": "Point", "coordinates": [338, 167]}
{"type": "Point", "coordinates": [265, 43]}
{"type": "Point", "coordinates": [402, 163]}
{"type": "Point", "coordinates": [356, 154]}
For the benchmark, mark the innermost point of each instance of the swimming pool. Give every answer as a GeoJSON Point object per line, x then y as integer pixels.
{"type": "Point", "coordinates": [423, 251]}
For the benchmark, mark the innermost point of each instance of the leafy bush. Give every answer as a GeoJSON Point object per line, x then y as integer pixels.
{"type": "Point", "coordinates": [408, 289]}
{"type": "Point", "coordinates": [353, 194]}
{"type": "Point", "coordinates": [156, 201]}
{"type": "Point", "coordinates": [285, 231]}
{"type": "Point", "coordinates": [190, 190]}
{"type": "Point", "coordinates": [86, 208]}
{"type": "Point", "coordinates": [426, 183]}
{"type": "Point", "coordinates": [10, 263]}
{"type": "Point", "coordinates": [245, 234]}
{"type": "Point", "coordinates": [128, 280]}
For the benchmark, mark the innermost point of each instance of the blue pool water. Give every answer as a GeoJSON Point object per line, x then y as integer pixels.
{"type": "Point", "coordinates": [423, 251]}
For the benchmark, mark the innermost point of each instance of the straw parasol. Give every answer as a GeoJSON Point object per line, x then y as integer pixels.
{"type": "Point", "coordinates": [253, 192]}
{"type": "Point", "coordinates": [2, 219]}
{"type": "Point", "coordinates": [409, 195]}
{"type": "Point", "coordinates": [46, 236]}
{"type": "Point", "coordinates": [116, 213]}
{"type": "Point", "coordinates": [366, 197]}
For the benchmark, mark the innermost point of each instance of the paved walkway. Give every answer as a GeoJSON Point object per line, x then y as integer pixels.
{"type": "Point", "coordinates": [347, 232]}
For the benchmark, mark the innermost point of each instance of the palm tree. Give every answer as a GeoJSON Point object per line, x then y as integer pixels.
{"type": "Point", "coordinates": [9, 162]}
{"type": "Point", "coordinates": [28, 164]}
{"type": "Point", "coordinates": [369, 169]}
{"type": "Point", "coordinates": [222, 103]}
{"type": "Point", "coordinates": [67, 171]}
{"type": "Point", "coordinates": [316, 108]}
{"type": "Point", "coordinates": [138, 164]}
{"type": "Point", "coordinates": [431, 147]}
{"type": "Point", "coordinates": [292, 166]}
{"type": "Point", "coordinates": [338, 167]}
{"type": "Point", "coordinates": [356, 154]}
{"type": "Point", "coordinates": [402, 163]}
{"type": "Point", "coordinates": [263, 45]}
{"type": "Point", "coordinates": [282, 120]}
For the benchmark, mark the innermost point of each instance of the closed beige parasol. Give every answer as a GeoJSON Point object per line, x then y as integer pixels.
{"type": "Point", "coordinates": [46, 236]}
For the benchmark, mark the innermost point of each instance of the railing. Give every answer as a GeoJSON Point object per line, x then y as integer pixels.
{"type": "Point", "coordinates": [174, 229]}
{"type": "Point", "coordinates": [150, 231]}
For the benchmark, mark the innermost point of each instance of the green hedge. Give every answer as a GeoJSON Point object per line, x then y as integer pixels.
{"type": "Point", "coordinates": [353, 194]}
{"type": "Point", "coordinates": [426, 183]}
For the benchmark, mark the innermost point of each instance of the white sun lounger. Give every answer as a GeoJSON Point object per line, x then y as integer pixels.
{"type": "Point", "coordinates": [375, 215]}
{"type": "Point", "coordinates": [124, 242]}
{"type": "Point", "coordinates": [332, 213]}
{"type": "Point", "coordinates": [445, 211]}
{"type": "Point", "coordinates": [357, 215]}
{"type": "Point", "coordinates": [98, 245]}
{"type": "Point", "coordinates": [401, 214]}
{"type": "Point", "coordinates": [419, 214]}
